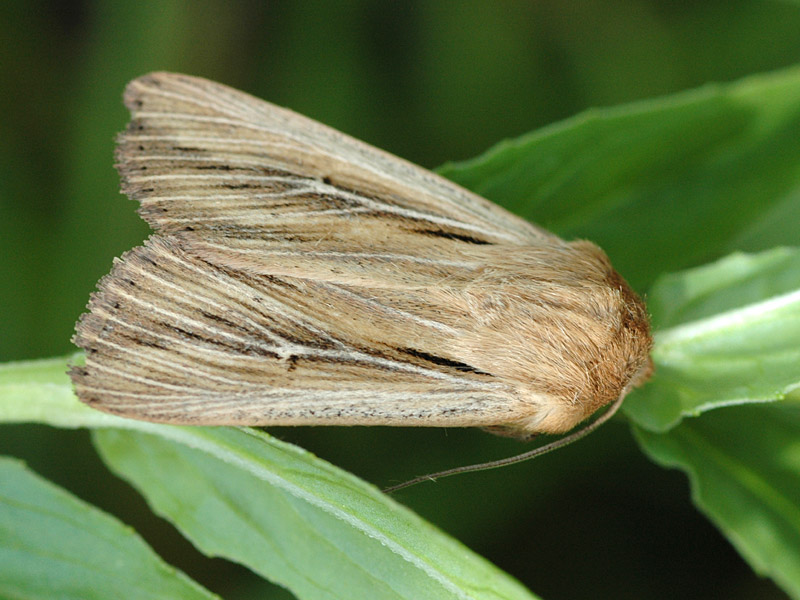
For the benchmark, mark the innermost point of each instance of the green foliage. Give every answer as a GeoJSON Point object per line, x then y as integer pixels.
{"type": "Point", "coordinates": [744, 465]}
{"type": "Point", "coordinates": [295, 519]}
{"type": "Point", "coordinates": [53, 545]}
{"type": "Point", "coordinates": [704, 185]}
{"type": "Point", "coordinates": [727, 333]}
{"type": "Point", "coordinates": [271, 506]}
{"type": "Point", "coordinates": [731, 336]}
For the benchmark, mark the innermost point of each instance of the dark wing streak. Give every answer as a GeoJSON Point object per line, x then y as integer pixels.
{"type": "Point", "coordinates": [226, 357]}
{"type": "Point", "coordinates": [239, 163]}
{"type": "Point", "coordinates": [215, 357]}
{"type": "Point", "coordinates": [407, 409]}
{"type": "Point", "coordinates": [269, 218]}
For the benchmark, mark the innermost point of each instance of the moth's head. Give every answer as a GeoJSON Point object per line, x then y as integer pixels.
{"type": "Point", "coordinates": [606, 343]}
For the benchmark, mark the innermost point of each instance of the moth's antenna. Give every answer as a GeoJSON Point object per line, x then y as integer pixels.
{"type": "Point", "coordinates": [565, 441]}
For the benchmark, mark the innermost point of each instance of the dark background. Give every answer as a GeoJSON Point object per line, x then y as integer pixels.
{"type": "Point", "coordinates": [430, 81]}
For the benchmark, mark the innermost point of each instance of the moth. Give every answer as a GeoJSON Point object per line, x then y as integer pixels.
{"type": "Point", "coordinates": [298, 276]}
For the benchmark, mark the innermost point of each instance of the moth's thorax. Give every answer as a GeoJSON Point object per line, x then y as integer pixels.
{"type": "Point", "coordinates": [569, 335]}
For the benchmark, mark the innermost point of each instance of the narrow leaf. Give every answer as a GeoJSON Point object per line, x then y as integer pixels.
{"type": "Point", "coordinates": [53, 545]}
{"type": "Point", "coordinates": [738, 280]}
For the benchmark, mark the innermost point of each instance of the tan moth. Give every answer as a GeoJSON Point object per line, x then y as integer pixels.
{"type": "Point", "coordinates": [298, 276]}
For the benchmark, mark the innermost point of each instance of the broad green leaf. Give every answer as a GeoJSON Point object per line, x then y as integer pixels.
{"type": "Point", "coordinates": [744, 467]}
{"type": "Point", "coordinates": [53, 545]}
{"type": "Point", "coordinates": [731, 336]}
{"type": "Point", "coordinates": [274, 507]}
{"type": "Point", "coordinates": [661, 185]}
{"type": "Point", "coordinates": [295, 519]}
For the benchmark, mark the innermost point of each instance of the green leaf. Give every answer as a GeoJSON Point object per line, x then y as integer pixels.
{"type": "Point", "coordinates": [730, 334]}
{"type": "Point", "coordinates": [744, 468]}
{"type": "Point", "coordinates": [56, 546]}
{"type": "Point", "coordinates": [40, 391]}
{"type": "Point", "coordinates": [276, 508]}
{"type": "Point", "coordinates": [732, 337]}
{"type": "Point", "coordinates": [295, 519]}
{"type": "Point", "coordinates": [661, 185]}
{"type": "Point", "coordinates": [738, 280]}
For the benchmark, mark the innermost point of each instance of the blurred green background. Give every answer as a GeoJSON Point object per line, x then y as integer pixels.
{"type": "Point", "coordinates": [431, 81]}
